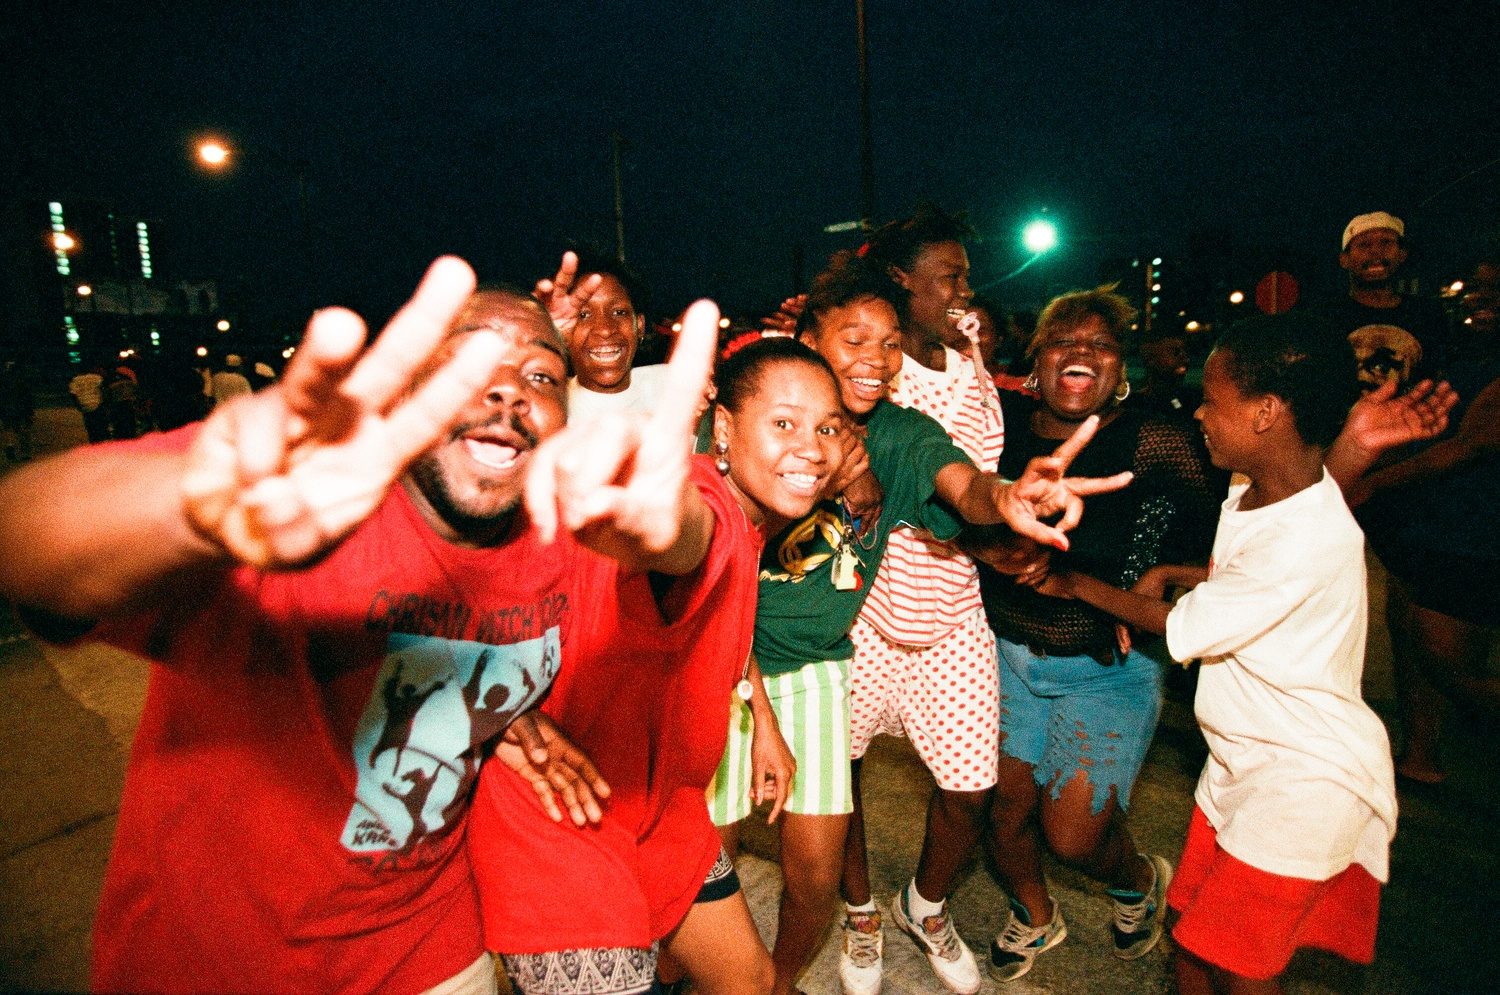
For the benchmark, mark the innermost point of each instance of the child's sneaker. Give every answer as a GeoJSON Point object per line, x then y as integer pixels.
{"type": "Point", "coordinates": [1138, 917]}
{"type": "Point", "coordinates": [951, 959]}
{"type": "Point", "coordinates": [1015, 949]}
{"type": "Point", "coordinates": [861, 954]}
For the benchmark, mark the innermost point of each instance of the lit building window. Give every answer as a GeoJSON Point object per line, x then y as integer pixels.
{"type": "Point", "coordinates": [143, 242]}
{"type": "Point", "coordinates": [64, 266]}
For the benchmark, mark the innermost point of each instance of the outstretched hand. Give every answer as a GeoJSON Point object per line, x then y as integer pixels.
{"type": "Point", "coordinates": [621, 484]}
{"type": "Point", "coordinates": [279, 477]}
{"type": "Point", "coordinates": [1044, 490]}
{"type": "Point", "coordinates": [564, 296]}
{"type": "Point", "coordinates": [1381, 420]}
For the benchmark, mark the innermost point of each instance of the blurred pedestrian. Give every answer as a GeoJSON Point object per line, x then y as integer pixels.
{"type": "Point", "coordinates": [122, 401]}
{"type": "Point", "coordinates": [87, 391]}
{"type": "Point", "coordinates": [229, 380]}
{"type": "Point", "coordinates": [17, 410]}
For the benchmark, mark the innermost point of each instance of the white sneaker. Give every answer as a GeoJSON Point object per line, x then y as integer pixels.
{"type": "Point", "coordinates": [1015, 949]}
{"type": "Point", "coordinates": [862, 952]}
{"type": "Point", "coordinates": [951, 959]}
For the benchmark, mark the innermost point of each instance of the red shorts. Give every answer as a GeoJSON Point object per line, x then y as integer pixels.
{"type": "Point", "coordinates": [1250, 921]}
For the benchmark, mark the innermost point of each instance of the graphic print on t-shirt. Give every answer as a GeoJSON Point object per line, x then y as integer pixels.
{"type": "Point", "coordinates": [416, 749]}
{"type": "Point", "coordinates": [1385, 352]}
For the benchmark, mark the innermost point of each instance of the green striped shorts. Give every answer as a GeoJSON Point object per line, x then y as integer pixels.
{"type": "Point", "coordinates": [812, 707]}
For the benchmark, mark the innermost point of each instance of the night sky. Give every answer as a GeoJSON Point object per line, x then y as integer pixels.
{"type": "Point", "coordinates": [484, 129]}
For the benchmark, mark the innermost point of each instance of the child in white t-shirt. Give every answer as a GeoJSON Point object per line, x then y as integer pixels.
{"type": "Point", "coordinates": [1296, 806]}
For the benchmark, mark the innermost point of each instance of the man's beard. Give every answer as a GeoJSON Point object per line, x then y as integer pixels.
{"type": "Point", "coordinates": [428, 474]}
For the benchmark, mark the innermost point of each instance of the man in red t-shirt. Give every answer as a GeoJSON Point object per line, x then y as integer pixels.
{"type": "Point", "coordinates": [331, 655]}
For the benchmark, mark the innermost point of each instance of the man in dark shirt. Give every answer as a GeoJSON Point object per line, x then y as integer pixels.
{"type": "Point", "coordinates": [1394, 336]}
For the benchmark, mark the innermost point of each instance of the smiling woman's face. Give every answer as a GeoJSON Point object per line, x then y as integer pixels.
{"type": "Point", "coordinates": [1078, 369]}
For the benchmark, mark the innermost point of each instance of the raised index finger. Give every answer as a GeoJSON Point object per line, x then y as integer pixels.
{"type": "Point", "coordinates": [1074, 443]}
{"type": "Point", "coordinates": [391, 365]}
{"type": "Point", "coordinates": [688, 372]}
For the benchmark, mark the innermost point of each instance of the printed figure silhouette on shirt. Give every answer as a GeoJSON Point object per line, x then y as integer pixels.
{"type": "Point", "coordinates": [402, 702]}
{"type": "Point", "coordinates": [417, 746]}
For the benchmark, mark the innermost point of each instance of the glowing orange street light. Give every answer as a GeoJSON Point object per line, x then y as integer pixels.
{"type": "Point", "coordinates": [84, 290]}
{"type": "Point", "coordinates": [213, 152]}
{"type": "Point", "coordinates": [63, 242]}
{"type": "Point", "coordinates": [1238, 297]}
{"type": "Point", "coordinates": [222, 324]}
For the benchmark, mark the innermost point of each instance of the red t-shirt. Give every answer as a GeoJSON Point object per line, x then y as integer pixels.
{"type": "Point", "coordinates": [294, 806]}
{"type": "Point", "coordinates": [649, 703]}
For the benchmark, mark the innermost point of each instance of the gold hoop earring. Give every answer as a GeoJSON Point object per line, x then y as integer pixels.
{"type": "Point", "coordinates": [1122, 391]}
{"type": "Point", "coordinates": [721, 458]}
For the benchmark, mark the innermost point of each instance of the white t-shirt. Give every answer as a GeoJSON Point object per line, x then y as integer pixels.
{"type": "Point", "coordinates": [1299, 780]}
{"type": "Point", "coordinates": [646, 386]}
{"type": "Point", "coordinates": [227, 385]}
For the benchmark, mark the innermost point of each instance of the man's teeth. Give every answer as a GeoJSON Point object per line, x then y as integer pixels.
{"type": "Point", "coordinates": [606, 352]}
{"type": "Point", "coordinates": [492, 454]}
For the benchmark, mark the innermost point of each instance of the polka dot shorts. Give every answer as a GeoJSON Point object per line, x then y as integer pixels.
{"type": "Point", "coordinates": [945, 698]}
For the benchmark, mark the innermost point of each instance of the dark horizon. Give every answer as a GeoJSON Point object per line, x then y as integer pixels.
{"type": "Point", "coordinates": [1141, 129]}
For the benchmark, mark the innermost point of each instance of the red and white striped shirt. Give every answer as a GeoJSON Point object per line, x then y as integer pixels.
{"type": "Point", "coordinates": [924, 587]}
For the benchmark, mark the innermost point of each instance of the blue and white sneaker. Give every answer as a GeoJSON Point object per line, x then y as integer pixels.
{"type": "Point", "coordinates": [1138, 917]}
{"type": "Point", "coordinates": [1014, 951]}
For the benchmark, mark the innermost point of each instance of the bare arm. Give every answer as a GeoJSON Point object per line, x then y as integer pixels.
{"type": "Point", "coordinates": [93, 530]}
{"type": "Point", "coordinates": [1381, 421]}
{"type": "Point", "coordinates": [273, 480]}
{"type": "Point", "coordinates": [772, 765]}
{"type": "Point", "coordinates": [1041, 491]}
{"type": "Point", "coordinates": [1138, 610]}
{"type": "Point", "coordinates": [1478, 435]}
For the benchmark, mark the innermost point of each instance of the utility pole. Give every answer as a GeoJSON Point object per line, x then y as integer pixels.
{"type": "Point", "coordinates": [867, 150]}
{"type": "Point", "coordinates": [619, 151]}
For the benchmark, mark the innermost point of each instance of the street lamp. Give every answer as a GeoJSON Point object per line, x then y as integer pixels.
{"type": "Point", "coordinates": [213, 152]}
{"type": "Point", "coordinates": [1039, 236]}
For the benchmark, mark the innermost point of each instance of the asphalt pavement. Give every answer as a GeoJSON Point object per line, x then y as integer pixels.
{"type": "Point", "coordinates": [67, 715]}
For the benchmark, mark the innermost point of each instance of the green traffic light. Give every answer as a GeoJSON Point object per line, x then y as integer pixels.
{"type": "Point", "coordinates": [1039, 236]}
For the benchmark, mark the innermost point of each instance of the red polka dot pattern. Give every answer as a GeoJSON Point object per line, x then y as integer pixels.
{"type": "Point", "coordinates": [944, 698]}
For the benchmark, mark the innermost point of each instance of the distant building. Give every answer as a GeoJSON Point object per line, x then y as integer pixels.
{"type": "Point", "coordinates": [97, 284]}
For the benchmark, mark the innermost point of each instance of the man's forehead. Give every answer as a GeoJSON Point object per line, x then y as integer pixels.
{"type": "Point", "coordinates": [519, 318]}
{"type": "Point", "coordinates": [1376, 235]}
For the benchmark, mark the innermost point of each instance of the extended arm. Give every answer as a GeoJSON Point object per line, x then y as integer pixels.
{"type": "Point", "coordinates": [1478, 435]}
{"type": "Point", "coordinates": [1138, 610]}
{"type": "Point", "coordinates": [273, 480]}
{"type": "Point", "coordinates": [1041, 491]}
{"type": "Point", "coordinates": [1381, 421]}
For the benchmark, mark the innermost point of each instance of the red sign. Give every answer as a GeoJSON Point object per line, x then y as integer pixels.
{"type": "Point", "coordinates": [1276, 293]}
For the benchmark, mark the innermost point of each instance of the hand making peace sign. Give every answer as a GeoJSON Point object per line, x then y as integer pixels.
{"type": "Point", "coordinates": [279, 477]}
{"type": "Point", "coordinates": [621, 484]}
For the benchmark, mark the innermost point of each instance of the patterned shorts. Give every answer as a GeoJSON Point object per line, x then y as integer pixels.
{"type": "Point", "coordinates": [812, 708]}
{"type": "Point", "coordinates": [592, 971]}
{"type": "Point", "coordinates": [945, 698]}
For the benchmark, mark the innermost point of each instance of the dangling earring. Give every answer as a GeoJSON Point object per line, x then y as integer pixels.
{"type": "Point", "coordinates": [1122, 391]}
{"type": "Point", "coordinates": [1031, 383]}
{"type": "Point", "coordinates": [721, 458]}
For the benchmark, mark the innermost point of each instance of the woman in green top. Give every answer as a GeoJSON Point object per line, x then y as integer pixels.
{"type": "Point", "coordinates": [814, 578]}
